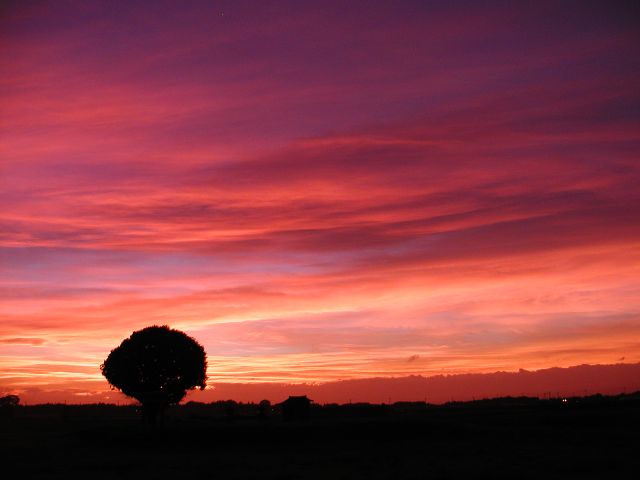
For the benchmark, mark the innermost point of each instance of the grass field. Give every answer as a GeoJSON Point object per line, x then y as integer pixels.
{"type": "Point", "coordinates": [540, 440]}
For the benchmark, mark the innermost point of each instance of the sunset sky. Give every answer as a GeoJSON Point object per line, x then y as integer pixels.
{"type": "Point", "coordinates": [318, 191]}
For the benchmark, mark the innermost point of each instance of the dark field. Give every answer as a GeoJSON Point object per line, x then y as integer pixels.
{"type": "Point", "coordinates": [596, 438]}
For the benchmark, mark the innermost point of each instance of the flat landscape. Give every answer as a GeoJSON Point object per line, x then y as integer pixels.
{"type": "Point", "coordinates": [595, 437]}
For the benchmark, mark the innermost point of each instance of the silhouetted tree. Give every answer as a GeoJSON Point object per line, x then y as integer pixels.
{"type": "Point", "coordinates": [230, 409]}
{"type": "Point", "coordinates": [264, 408]}
{"type": "Point", "coordinates": [9, 401]}
{"type": "Point", "coordinates": [156, 366]}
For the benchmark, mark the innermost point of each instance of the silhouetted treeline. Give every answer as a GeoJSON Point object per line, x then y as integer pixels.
{"type": "Point", "coordinates": [229, 410]}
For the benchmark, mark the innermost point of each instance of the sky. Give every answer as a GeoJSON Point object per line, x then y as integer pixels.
{"type": "Point", "coordinates": [318, 191]}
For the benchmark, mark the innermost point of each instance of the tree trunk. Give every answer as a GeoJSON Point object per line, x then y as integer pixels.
{"type": "Point", "coordinates": [154, 414]}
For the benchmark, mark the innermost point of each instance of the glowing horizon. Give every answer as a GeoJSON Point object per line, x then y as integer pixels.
{"type": "Point", "coordinates": [316, 194]}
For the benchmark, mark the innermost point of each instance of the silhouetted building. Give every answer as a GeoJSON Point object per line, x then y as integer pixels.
{"type": "Point", "coordinates": [296, 408]}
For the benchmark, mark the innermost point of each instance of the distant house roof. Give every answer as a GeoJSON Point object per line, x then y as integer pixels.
{"type": "Point", "coordinates": [301, 399]}
{"type": "Point", "coordinates": [296, 407]}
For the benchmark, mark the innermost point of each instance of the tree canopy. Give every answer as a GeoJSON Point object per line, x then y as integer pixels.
{"type": "Point", "coordinates": [156, 366]}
